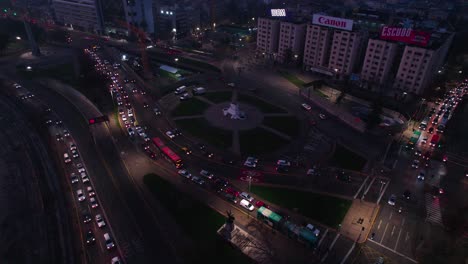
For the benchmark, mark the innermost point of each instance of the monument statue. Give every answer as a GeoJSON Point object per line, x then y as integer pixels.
{"type": "Point", "coordinates": [234, 112]}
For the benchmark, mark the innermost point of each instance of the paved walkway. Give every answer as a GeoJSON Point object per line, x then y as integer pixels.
{"type": "Point", "coordinates": [359, 220]}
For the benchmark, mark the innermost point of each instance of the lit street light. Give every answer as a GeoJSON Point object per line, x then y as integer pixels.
{"type": "Point", "coordinates": [18, 38]}
{"type": "Point", "coordinates": [176, 59]}
{"type": "Point", "coordinates": [28, 68]}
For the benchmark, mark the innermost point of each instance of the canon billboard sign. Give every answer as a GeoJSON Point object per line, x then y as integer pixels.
{"type": "Point", "coordinates": [334, 22]}
{"type": "Point", "coordinates": [405, 35]}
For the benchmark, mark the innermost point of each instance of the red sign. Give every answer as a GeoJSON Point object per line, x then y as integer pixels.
{"type": "Point", "coordinates": [405, 35]}
{"type": "Point", "coordinates": [251, 175]}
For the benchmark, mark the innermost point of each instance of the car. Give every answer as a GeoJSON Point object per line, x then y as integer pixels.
{"type": "Point", "coordinates": [130, 131]}
{"type": "Point", "coordinates": [58, 137]}
{"type": "Point", "coordinates": [431, 130]}
{"type": "Point", "coordinates": [176, 132]}
{"type": "Point", "coordinates": [259, 204]}
{"type": "Point", "coordinates": [198, 180]}
{"type": "Point", "coordinates": [421, 176]}
{"type": "Point", "coordinates": [133, 81]}
{"type": "Point", "coordinates": [306, 106]}
{"type": "Point", "coordinates": [90, 191]}
{"type": "Point", "coordinates": [322, 116]}
{"type": "Point", "coordinates": [90, 237]}
{"type": "Point", "coordinates": [231, 85]}
{"type": "Point", "coordinates": [230, 197]}
{"type": "Point", "coordinates": [156, 111]}
{"type": "Point", "coordinates": [186, 150]}
{"type": "Point", "coordinates": [246, 196]}
{"type": "Point", "coordinates": [201, 146]}
{"type": "Point", "coordinates": [415, 164]}
{"type": "Point", "coordinates": [75, 154]}
{"type": "Point", "coordinates": [86, 218]}
{"type": "Point", "coordinates": [130, 112]}
{"type": "Point", "coordinates": [427, 155]}
{"type": "Point", "coordinates": [126, 80]}
{"type": "Point", "coordinates": [134, 90]}
{"type": "Point", "coordinates": [58, 122]}
{"type": "Point", "coordinates": [436, 191]}
{"type": "Point", "coordinates": [283, 163]}
{"type": "Point", "coordinates": [66, 158]}
{"type": "Point", "coordinates": [74, 178]}
{"type": "Point", "coordinates": [208, 154]}
{"type": "Point", "coordinates": [407, 194]}
{"type": "Point", "coordinates": [232, 191]}
{"type": "Point", "coordinates": [206, 174]}
{"type": "Point", "coordinates": [392, 199]}
{"type": "Point", "coordinates": [247, 205]}
{"type": "Point", "coordinates": [80, 167]}
{"type": "Point", "coordinates": [100, 221]}
{"type": "Point", "coordinates": [185, 96]}
{"type": "Point", "coordinates": [145, 137]}
{"type": "Point", "coordinates": [180, 90]}
{"type": "Point", "coordinates": [84, 177]}
{"type": "Point", "coordinates": [424, 140]}
{"type": "Point", "coordinates": [93, 202]}
{"type": "Point", "coordinates": [48, 122]}
{"type": "Point", "coordinates": [143, 92]}
{"type": "Point", "coordinates": [313, 229]}
{"type": "Point", "coordinates": [145, 146]}
{"type": "Point", "coordinates": [170, 135]}
{"type": "Point", "coordinates": [185, 174]}
{"type": "Point", "coordinates": [417, 153]}
{"type": "Point", "coordinates": [80, 194]}
{"type": "Point", "coordinates": [145, 105]}
{"type": "Point", "coordinates": [445, 158]}
{"type": "Point", "coordinates": [115, 260]}
{"type": "Point", "coordinates": [109, 241]}
{"type": "Point", "coordinates": [251, 162]}
{"type": "Point", "coordinates": [151, 154]}
{"type": "Point", "coordinates": [220, 184]}
{"type": "Point", "coordinates": [66, 133]}
{"type": "Point", "coordinates": [124, 118]}
{"type": "Point", "coordinates": [17, 86]}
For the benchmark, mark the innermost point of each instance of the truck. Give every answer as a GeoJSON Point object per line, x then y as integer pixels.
{"type": "Point", "coordinates": [435, 140]}
{"type": "Point", "coordinates": [413, 140]}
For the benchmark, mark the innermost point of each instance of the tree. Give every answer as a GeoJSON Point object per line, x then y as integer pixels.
{"type": "Point", "coordinates": [374, 118]}
{"type": "Point", "coordinates": [4, 41]}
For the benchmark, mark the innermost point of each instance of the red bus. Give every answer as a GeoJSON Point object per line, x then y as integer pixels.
{"type": "Point", "coordinates": [168, 153]}
{"type": "Point", "coordinates": [435, 140]}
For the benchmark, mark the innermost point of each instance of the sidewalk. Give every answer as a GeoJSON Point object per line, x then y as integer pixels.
{"type": "Point", "coordinates": [359, 220]}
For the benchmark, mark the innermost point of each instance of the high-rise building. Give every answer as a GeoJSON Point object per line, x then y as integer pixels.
{"type": "Point", "coordinates": [378, 63]}
{"type": "Point", "coordinates": [140, 14]}
{"type": "Point", "coordinates": [291, 41]}
{"type": "Point", "coordinates": [84, 15]}
{"type": "Point", "coordinates": [268, 35]}
{"type": "Point", "coordinates": [419, 65]}
{"type": "Point", "coordinates": [317, 47]}
{"type": "Point", "coordinates": [345, 53]}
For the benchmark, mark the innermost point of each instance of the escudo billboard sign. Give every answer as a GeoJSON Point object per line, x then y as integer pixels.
{"type": "Point", "coordinates": [334, 22]}
{"type": "Point", "coordinates": [405, 35]}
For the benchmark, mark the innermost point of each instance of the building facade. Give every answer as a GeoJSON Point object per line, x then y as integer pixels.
{"type": "Point", "coordinates": [268, 35]}
{"type": "Point", "coordinates": [84, 15]}
{"type": "Point", "coordinates": [378, 63]}
{"type": "Point", "coordinates": [291, 42]}
{"type": "Point", "coordinates": [317, 47]}
{"type": "Point", "coordinates": [345, 52]}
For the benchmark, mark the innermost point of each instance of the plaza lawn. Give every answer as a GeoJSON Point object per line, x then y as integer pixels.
{"type": "Point", "coordinates": [198, 221]}
{"type": "Point", "coordinates": [346, 159]}
{"type": "Point", "coordinates": [189, 107]}
{"type": "Point", "coordinates": [327, 210]}
{"type": "Point", "coordinates": [292, 79]}
{"type": "Point", "coordinates": [260, 104]}
{"type": "Point", "coordinates": [259, 141]}
{"type": "Point", "coordinates": [219, 97]}
{"type": "Point", "coordinates": [200, 128]}
{"type": "Point", "coordinates": [288, 125]}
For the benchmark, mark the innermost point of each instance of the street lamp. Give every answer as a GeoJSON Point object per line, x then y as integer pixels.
{"type": "Point", "coordinates": [18, 38]}
{"type": "Point", "coordinates": [198, 28]}
{"type": "Point", "coordinates": [439, 71]}
{"type": "Point", "coordinates": [28, 68]}
{"type": "Point", "coordinates": [460, 72]}
{"type": "Point", "coordinates": [176, 59]}
{"type": "Point", "coordinates": [253, 18]}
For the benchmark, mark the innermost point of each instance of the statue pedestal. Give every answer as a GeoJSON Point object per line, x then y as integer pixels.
{"type": "Point", "coordinates": [234, 112]}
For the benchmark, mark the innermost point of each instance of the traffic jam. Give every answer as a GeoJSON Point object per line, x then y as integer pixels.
{"type": "Point", "coordinates": [170, 144]}
{"type": "Point", "coordinates": [427, 142]}
{"type": "Point", "coordinates": [86, 201]}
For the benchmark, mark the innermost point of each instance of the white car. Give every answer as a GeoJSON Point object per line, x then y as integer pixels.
{"type": "Point", "coordinates": [170, 134]}
{"type": "Point", "coordinates": [185, 96]}
{"type": "Point", "coordinates": [246, 196]}
{"type": "Point", "coordinates": [115, 260]}
{"type": "Point", "coordinates": [66, 158]}
{"type": "Point", "coordinates": [80, 194]}
{"type": "Point", "coordinates": [124, 118]}
{"type": "Point", "coordinates": [75, 154]}
{"type": "Point", "coordinates": [283, 163]}
{"type": "Point", "coordinates": [247, 205]}
{"type": "Point", "coordinates": [84, 177]}
{"type": "Point", "coordinates": [391, 200]}
{"type": "Point", "coordinates": [185, 173]}
{"type": "Point", "coordinates": [306, 106]}
{"type": "Point", "coordinates": [93, 202]}
{"type": "Point", "coordinates": [322, 116]}
{"type": "Point", "coordinates": [100, 221]}
{"type": "Point", "coordinates": [251, 162]}
{"type": "Point", "coordinates": [90, 191]}
{"type": "Point", "coordinates": [109, 241]}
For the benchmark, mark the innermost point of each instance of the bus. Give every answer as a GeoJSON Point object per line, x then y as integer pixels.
{"type": "Point", "coordinates": [435, 140]}
{"type": "Point", "coordinates": [414, 140]}
{"type": "Point", "coordinates": [167, 152]}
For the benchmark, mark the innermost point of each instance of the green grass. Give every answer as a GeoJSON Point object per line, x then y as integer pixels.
{"type": "Point", "coordinates": [292, 79]}
{"type": "Point", "coordinates": [198, 221]}
{"type": "Point", "coordinates": [219, 97]}
{"type": "Point", "coordinates": [263, 106]}
{"type": "Point", "coordinates": [346, 159]}
{"type": "Point", "coordinates": [168, 75]}
{"type": "Point", "coordinates": [259, 141]}
{"type": "Point", "coordinates": [200, 128]}
{"type": "Point", "coordinates": [189, 107]}
{"type": "Point", "coordinates": [327, 210]}
{"type": "Point", "coordinates": [288, 125]}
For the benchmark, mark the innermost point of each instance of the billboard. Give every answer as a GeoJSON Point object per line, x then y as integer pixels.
{"type": "Point", "coordinates": [405, 35]}
{"type": "Point", "coordinates": [334, 22]}
{"type": "Point", "coordinates": [278, 12]}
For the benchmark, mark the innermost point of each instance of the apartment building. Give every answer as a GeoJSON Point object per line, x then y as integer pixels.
{"type": "Point", "coordinates": [291, 41]}
{"type": "Point", "coordinates": [378, 62]}
{"type": "Point", "coordinates": [268, 35]}
{"type": "Point", "coordinates": [317, 47]}
{"type": "Point", "coordinates": [84, 15]}
{"type": "Point", "coordinates": [345, 52]}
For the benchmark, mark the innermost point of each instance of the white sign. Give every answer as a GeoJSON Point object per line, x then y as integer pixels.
{"type": "Point", "coordinates": [278, 12]}
{"type": "Point", "coordinates": [334, 22]}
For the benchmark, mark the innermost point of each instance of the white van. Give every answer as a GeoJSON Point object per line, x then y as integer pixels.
{"type": "Point", "coordinates": [247, 205]}
{"type": "Point", "coordinates": [180, 90]}
{"type": "Point", "coordinates": [109, 241]}
{"type": "Point", "coordinates": [199, 91]}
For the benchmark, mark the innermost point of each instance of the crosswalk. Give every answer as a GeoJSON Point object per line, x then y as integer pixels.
{"type": "Point", "coordinates": [433, 213]}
